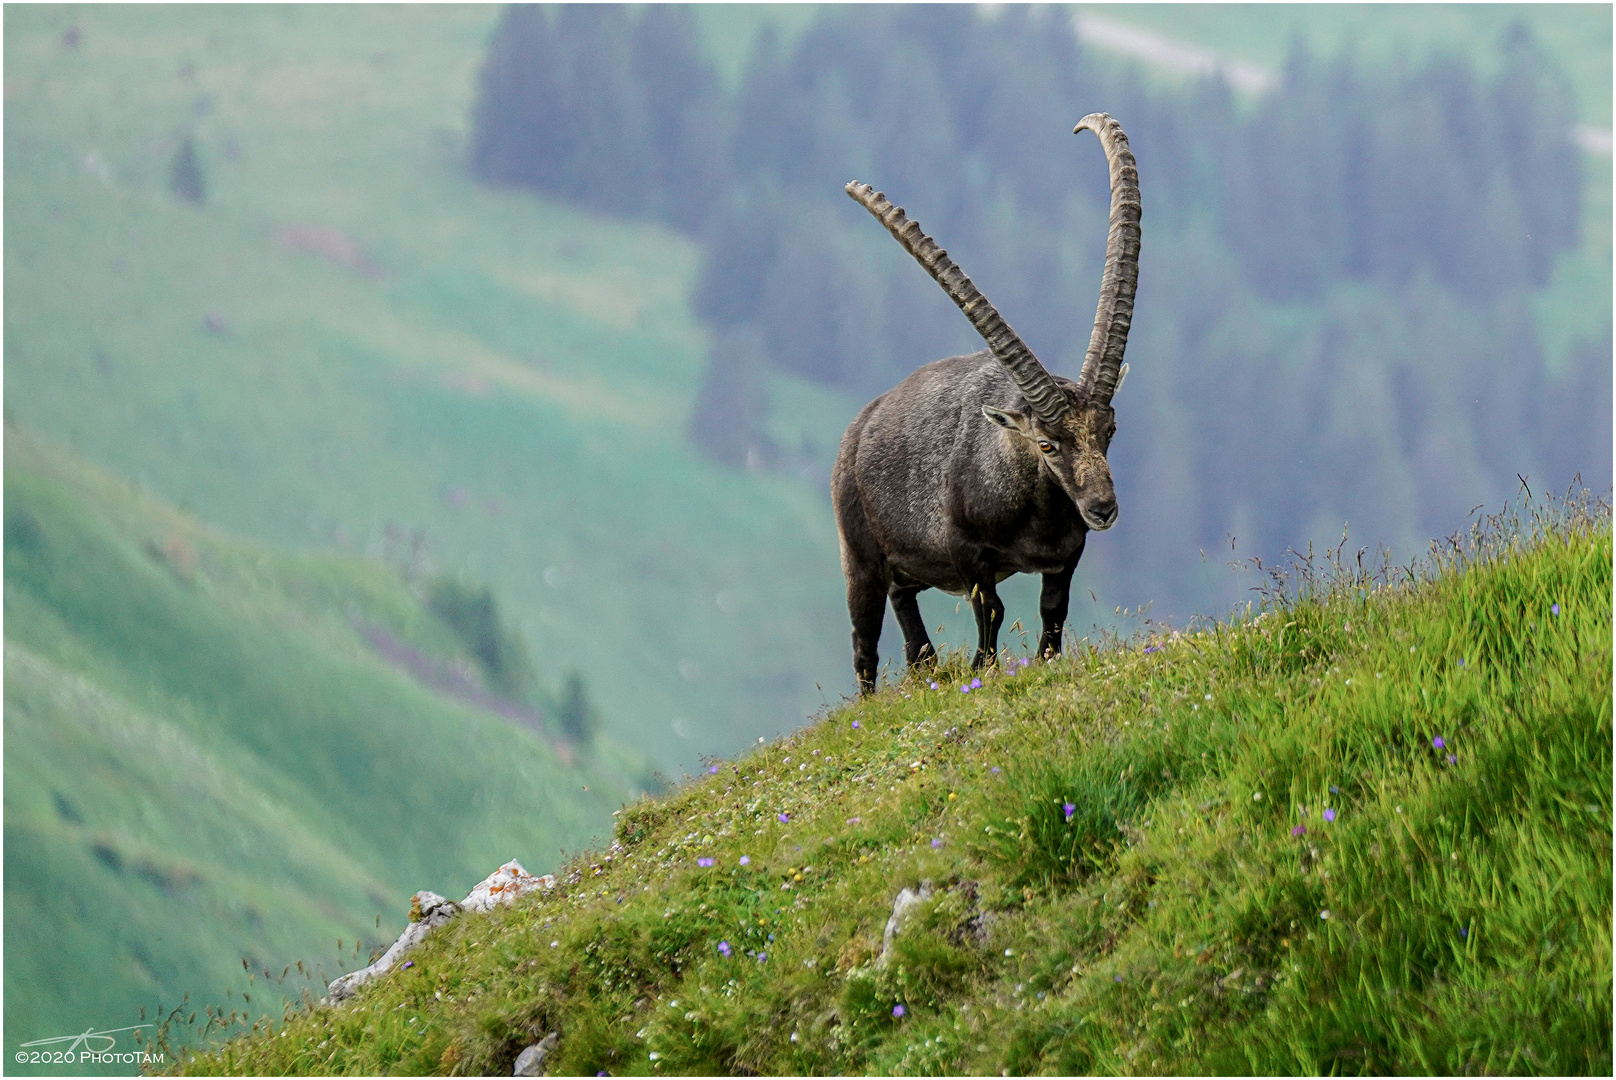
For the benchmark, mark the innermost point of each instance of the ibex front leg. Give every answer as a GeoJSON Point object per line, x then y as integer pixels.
{"type": "Point", "coordinates": [1052, 607]}
{"type": "Point", "coordinates": [989, 611]}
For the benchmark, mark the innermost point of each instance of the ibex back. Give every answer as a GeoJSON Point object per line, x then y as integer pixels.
{"type": "Point", "coordinates": [982, 466]}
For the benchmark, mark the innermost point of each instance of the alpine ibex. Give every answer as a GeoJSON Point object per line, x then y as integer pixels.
{"type": "Point", "coordinates": [982, 466]}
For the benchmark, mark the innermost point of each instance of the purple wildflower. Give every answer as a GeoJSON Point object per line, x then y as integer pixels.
{"type": "Point", "coordinates": [1438, 743]}
{"type": "Point", "coordinates": [1117, 977]}
{"type": "Point", "coordinates": [994, 770]}
{"type": "Point", "coordinates": [705, 860]}
{"type": "Point", "coordinates": [1329, 814]}
{"type": "Point", "coordinates": [784, 818]}
{"type": "Point", "coordinates": [1334, 790]}
{"type": "Point", "coordinates": [897, 1010]}
{"type": "Point", "coordinates": [976, 683]}
{"type": "Point", "coordinates": [409, 963]}
{"type": "Point", "coordinates": [1453, 759]}
{"type": "Point", "coordinates": [937, 843]}
{"type": "Point", "coordinates": [1070, 809]}
{"type": "Point", "coordinates": [745, 859]}
{"type": "Point", "coordinates": [1151, 648]}
{"type": "Point", "coordinates": [965, 689]}
{"type": "Point", "coordinates": [855, 725]}
{"type": "Point", "coordinates": [723, 947]}
{"type": "Point", "coordinates": [1554, 609]}
{"type": "Point", "coordinates": [713, 770]}
{"type": "Point", "coordinates": [1300, 830]}
{"type": "Point", "coordinates": [1464, 931]}
{"type": "Point", "coordinates": [1025, 661]}
{"type": "Point", "coordinates": [762, 956]}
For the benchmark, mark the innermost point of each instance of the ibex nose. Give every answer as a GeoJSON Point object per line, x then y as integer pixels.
{"type": "Point", "coordinates": [1102, 515]}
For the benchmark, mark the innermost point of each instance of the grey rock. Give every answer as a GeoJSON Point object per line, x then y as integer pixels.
{"type": "Point", "coordinates": [428, 911]}
{"type": "Point", "coordinates": [503, 886]}
{"type": "Point", "coordinates": [433, 910]}
{"type": "Point", "coordinates": [530, 1062]}
{"type": "Point", "coordinates": [902, 908]}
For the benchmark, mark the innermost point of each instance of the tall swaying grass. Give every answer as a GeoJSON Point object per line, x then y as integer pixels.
{"type": "Point", "coordinates": [1365, 827]}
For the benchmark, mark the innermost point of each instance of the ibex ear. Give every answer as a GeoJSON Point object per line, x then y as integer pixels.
{"type": "Point", "coordinates": [1012, 421]}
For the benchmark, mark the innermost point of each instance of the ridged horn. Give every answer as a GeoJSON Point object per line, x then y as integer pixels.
{"type": "Point", "coordinates": [1098, 380]}
{"type": "Point", "coordinates": [1048, 402]}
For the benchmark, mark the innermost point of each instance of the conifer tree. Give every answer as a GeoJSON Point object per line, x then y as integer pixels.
{"type": "Point", "coordinates": [185, 180]}
{"type": "Point", "coordinates": [579, 720]}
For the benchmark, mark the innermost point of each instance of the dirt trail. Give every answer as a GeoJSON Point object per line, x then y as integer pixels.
{"type": "Point", "coordinates": [1153, 48]}
{"type": "Point", "coordinates": [458, 684]}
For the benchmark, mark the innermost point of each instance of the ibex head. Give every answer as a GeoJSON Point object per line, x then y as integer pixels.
{"type": "Point", "coordinates": [1068, 427]}
{"type": "Point", "coordinates": [1073, 450]}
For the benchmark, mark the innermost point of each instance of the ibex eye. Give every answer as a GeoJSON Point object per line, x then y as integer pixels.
{"type": "Point", "coordinates": [1046, 447]}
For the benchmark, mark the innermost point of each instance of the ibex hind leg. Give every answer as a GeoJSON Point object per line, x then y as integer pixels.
{"type": "Point", "coordinates": [865, 566]}
{"type": "Point", "coordinates": [917, 647]}
{"type": "Point", "coordinates": [989, 612]}
{"type": "Point", "coordinates": [867, 606]}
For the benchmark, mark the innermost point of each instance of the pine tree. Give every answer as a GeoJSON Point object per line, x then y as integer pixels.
{"type": "Point", "coordinates": [579, 720]}
{"type": "Point", "coordinates": [185, 180]}
{"type": "Point", "coordinates": [687, 116]}
{"type": "Point", "coordinates": [733, 402]}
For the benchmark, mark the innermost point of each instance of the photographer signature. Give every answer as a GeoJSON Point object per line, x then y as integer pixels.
{"type": "Point", "coordinates": [84, 1039]}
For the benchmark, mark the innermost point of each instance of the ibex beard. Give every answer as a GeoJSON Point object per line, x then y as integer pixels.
{"type": "Point", "coordinates": [982, 466]}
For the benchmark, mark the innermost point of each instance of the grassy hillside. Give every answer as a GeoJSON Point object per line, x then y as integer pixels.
{"type": "Point", "coordinates": [205, 760]}
{"type": "Point", "coordinates": [1366, 830]}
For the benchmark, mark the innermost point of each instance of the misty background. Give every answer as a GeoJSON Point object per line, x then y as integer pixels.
{"type": "Point", "coordinates": [501, 355]}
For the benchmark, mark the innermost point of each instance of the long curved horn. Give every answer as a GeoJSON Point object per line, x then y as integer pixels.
{"type": "Point", "coordinates": [1098, 380]}
{"type": "Point", "coordinates": [1047, 399]}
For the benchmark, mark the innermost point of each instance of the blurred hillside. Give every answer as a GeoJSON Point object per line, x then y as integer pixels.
{"type": "Point", "coordinates": [221, 758]}
{"type": "Point", "coordinates": [351, 345]}
{"type": "Point", "coordinates": [1577, 36]}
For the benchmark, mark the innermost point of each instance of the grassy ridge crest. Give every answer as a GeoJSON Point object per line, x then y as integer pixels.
{"type": "Point", "coordinates": [1365, 829]}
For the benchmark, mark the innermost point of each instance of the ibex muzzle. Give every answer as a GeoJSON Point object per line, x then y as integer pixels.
{"type": "Point", "coordinates": [982, 466]}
